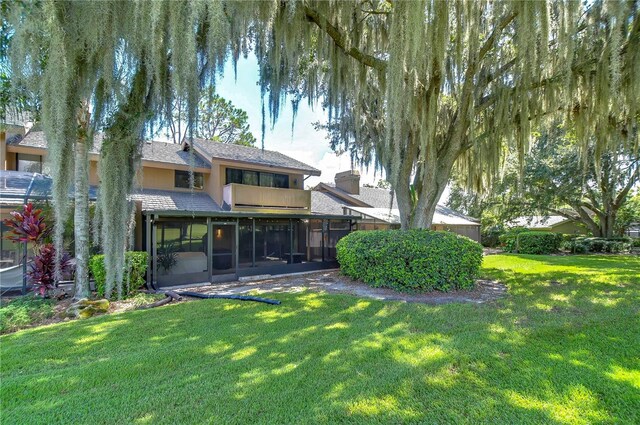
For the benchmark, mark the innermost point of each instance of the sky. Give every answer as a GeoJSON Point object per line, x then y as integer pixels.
{"type": "Point", "coordinates": [305, 144]}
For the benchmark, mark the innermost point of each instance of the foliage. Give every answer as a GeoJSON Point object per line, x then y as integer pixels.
{"type": "Point", "coordinates": [556, 180]}
{"type": "Point", "coordinates": [24, 311]}
{"type": "Point", "coordinates": [415, 260]}
{"type": "Point", "coordinates": [509, 239]}
{"type": "Point", "coordinates": [217, 120]}
{"type": "Point", "coordinates": [538, 242]}
{"type": "Point", "coordinates": [167, 256]}
{"type": "Point", "coordinates": [42, 270]}
{"type": "Point", "coordinates": [581, 245]}
{"type": "Point", "coordinates": [28, 226]}
{"type": "Point", "coordinates": [628, 214]}
{"type": "Point", "coordinates": [345, 359]}
{"type": "Point", "coordinates": [133, 273]}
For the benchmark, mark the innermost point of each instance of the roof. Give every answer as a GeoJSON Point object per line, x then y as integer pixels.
{"type": "Point", "coordinates": [167, 200]}
{"type": "Point", "coordinates": [169, 153]}
{"type": "Point", "coordinates": [538, 221]}
{"type": "Point", "coordinates": [324, 203]}
{"type": "Point", "coordinates": [443, 215]}
{"type": "Point", "coordinates": [372, 196]}
{"type": "Point", "coordinates": [253, 155]}
{"type": "Point", "coordinates": [382, 205]}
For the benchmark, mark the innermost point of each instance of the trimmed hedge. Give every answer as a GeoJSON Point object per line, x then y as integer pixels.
{"type": "Point", "coordinates": [538, 242]}
{"type": "Point", "coordinates": [509, 239]}
{"type": "Point", "coordinates": [581, 245]}
{"type": "Point", "coordinates": [410, 260]}
{"type": "Point", "coordinates": [134, 274]}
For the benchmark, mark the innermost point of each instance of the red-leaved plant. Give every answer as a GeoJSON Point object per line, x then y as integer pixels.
{"type": "Point", "coordinates": [29, 226]}
{"type": "Point", "coordinates": [43, 268]}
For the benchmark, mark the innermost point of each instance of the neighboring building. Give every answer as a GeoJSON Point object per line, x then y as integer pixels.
{"type": "Point", "coordinates": [377, 208]}
{"type": "Point", "coordinates": [551, 223]}
{"type": "Point", "coordinates": [248, 213]}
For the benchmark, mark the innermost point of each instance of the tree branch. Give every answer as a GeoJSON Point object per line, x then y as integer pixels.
{"type": "Point", "coordinates": [339, 39]}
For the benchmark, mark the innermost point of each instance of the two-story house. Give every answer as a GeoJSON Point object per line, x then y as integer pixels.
{"type": "Point", "coordinates": [246, 214]}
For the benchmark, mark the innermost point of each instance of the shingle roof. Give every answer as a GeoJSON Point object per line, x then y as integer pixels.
{"type": "Point", "coordinates": [169, 153]}
{"type": "Point", "coordinates": [324, 203]}
{"type": "Point", "coordinates": [252, 155]}
{"type": "Point", "coordinates": [372, 196]}
{"type": "Point", "coordinates": [538, 221]}
{"type": "Point", "coordinates": [167, 200]}
{"type": "Point", "coordinates": [382, 204]}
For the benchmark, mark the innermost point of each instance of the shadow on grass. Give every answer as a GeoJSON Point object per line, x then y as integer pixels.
{"type": "Point", "coordinates": [561, 349]}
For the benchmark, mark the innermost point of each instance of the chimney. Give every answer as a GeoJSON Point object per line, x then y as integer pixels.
{"type": "Point", "coordinates": [349, 181]}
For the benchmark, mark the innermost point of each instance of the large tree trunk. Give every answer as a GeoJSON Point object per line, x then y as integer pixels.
{"type": "Point", "coordinates": [81, 218]}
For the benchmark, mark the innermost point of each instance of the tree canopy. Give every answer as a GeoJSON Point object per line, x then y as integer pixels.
{"type": "Point", "coordinates": [217, 119]}
{"type": "Point", "coordinates": [419, 86]}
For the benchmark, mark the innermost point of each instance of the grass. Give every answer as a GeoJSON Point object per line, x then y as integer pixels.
{"type": "Point", "coordinates": [562, 348]}
{"type": "Point", "coordinates": [24, 311]}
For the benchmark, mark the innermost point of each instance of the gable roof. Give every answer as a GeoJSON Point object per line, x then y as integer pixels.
{"type": "Point", "coordinates": [371, 196]}
{"type": "Point", "coordinates": [538, 221]}
{"type": "Point", "coordinates": [168, 153]}
{"type": "Point", "coordinates": [381, 204]}
{"type": "Point", "coordinates": [251, 155]}
{"type": "Point", "coordinates": [325, 203]}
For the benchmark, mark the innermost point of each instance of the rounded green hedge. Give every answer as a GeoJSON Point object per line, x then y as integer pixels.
{"type": "Point", "coordinates": [539, 242]}
{"type": "Point", "coordinates": [410, 260]}
{"type": "Point", "coordinates": [134, 272]}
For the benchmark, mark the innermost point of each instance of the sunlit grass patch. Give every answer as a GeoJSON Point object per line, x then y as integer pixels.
{"type": "Point", "coordinates": [562, 348]}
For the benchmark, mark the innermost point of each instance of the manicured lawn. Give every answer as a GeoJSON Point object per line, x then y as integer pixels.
{"type": "Point", "coordinates": [564, 347]}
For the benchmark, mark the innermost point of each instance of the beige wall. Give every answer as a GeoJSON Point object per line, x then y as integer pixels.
{"type": "Point", "coordinates": [569, 228]}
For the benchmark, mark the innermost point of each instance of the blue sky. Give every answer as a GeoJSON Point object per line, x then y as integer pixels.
{"type": "Point", "coordinates": [305, 144]}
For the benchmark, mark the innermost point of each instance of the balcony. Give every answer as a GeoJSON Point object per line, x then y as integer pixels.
{"type": "Point", "coordinates": [241, 197]}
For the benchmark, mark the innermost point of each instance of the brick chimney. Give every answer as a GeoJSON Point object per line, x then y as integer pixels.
{"type": "Point", "coordinates": [349, 181]}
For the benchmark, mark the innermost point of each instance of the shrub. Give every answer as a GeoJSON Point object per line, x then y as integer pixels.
{"type": "Point", "coordinates": [412, 260]}
{"type": "Point", "coordinates": [24, 311]}
{"type": "Point", "coordinates": [635, 243]}
{"type": "Point", "coordinates": [133, 277]}
{"type": "Point", "coordinates": [509, 240]}
{"type": "Point", "coordinates": [539, 242]}
{"type": "Point", "coordinates": [599, 245]}
{"type": "Point", "coordinates": [490, 237]}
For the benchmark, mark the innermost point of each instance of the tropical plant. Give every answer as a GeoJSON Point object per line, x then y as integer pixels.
{"type": "Point", "coordinates": [30, 227]}
{"type": "Point", "coordinates": [27, 226]}
{"type": "Point", "coordinates": [167, 256]}
{"type": "Point", "coordinates": [44, 267]}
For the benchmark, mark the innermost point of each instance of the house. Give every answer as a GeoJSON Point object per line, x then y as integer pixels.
{"type": "Point", "coordinates": [247, 214]}
{"type": "Point", "coordinates": [551, 223]}
{"type": "Point", "coordinates": [377, 208]}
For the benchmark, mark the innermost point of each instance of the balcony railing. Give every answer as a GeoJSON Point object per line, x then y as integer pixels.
{"type": "Point", "coordinates": [241, 197]}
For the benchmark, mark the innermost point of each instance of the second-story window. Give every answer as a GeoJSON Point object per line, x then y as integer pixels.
{"type": "Point", "coordinates": [29, 163]}
{"type": "Point", "coordinates": [182, 180]}
{"type": "Point", "coordinates": [257, 178]}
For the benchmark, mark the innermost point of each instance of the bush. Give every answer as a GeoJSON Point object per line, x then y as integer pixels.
{"type": "Point", "coordinates": [539, 242]}
{"type": "Point", "coordinates": [509, 240]}
{"type": "Point", "coordinates": [598, 245]}
{"type": "Point", "coordinates": [413, 260]}
{"type": "Point", "coordinates": [490, 237]}
{"type": "Point", "coordinates": [133, 277]}
{"type": "Point", "coordinates": [24, 311]}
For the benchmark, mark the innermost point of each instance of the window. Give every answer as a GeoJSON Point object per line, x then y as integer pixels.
{"type": "Point", "coordinates": [257, 178]}
{"type": "Point", "coordinates": [182, 180]}
{"type": "Point", "coordinates": [29, 163]}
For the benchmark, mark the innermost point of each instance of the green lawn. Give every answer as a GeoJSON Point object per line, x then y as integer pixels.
{"type": "Point", "coordinates": [564, 347]}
